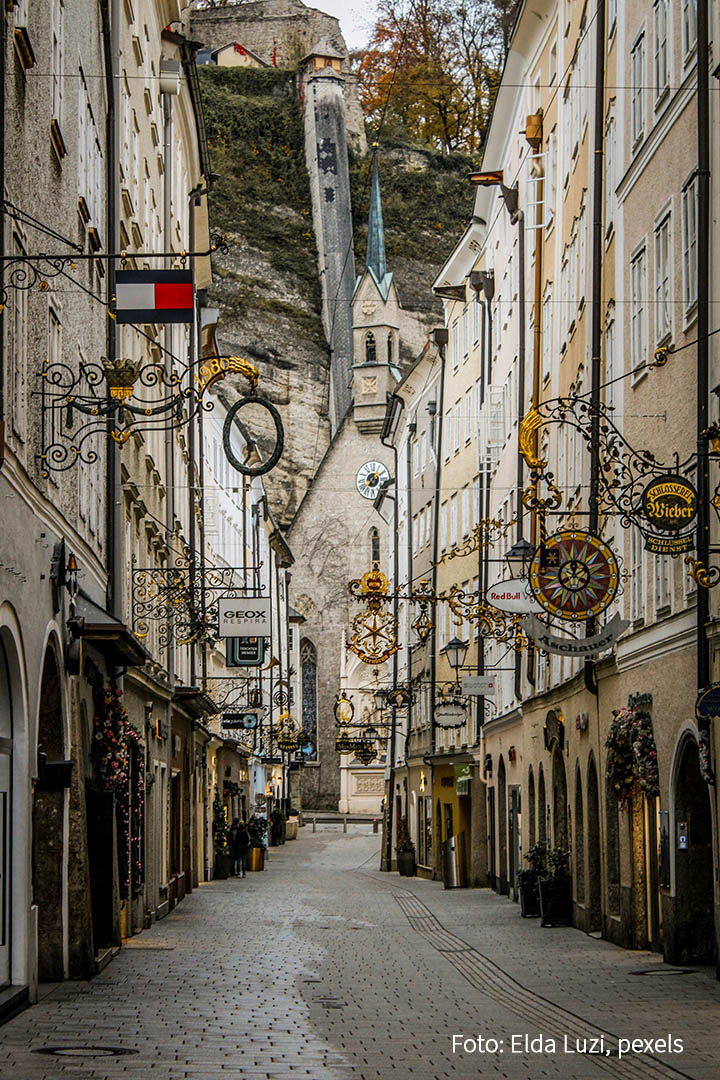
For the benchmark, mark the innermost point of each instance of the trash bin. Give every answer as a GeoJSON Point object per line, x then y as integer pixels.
{"type": "Point", "coordinates": [454, 867]}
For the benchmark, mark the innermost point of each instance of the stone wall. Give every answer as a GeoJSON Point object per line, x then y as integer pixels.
{"type": "Point", "coordinates": [286, 28]}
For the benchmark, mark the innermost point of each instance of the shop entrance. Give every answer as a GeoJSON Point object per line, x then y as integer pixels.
{"type": "Point", "coordinates": [559, 801]}
{"type": "Point", "coordinates": [6, 733]}
{"type": "Point", "coordinates": [515, 838]}
{"type": "Point", "coordinates": [594, 907]}
{"type": "Point", "coordinates": [48, 824]}
{"type": "Point", "coordinates": [502, 885]}
{"type": "Point", "coordinates": [693, 934]}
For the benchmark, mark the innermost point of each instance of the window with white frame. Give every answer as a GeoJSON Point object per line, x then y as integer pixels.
{"type": "Point", "coordinates": [637, 93]}
{"type": "Point", "coordinates": [583, 81]}
{"type": "Point", "coordinates": [689, 244]}
{"type": "Point", "coordinates": [423, 451]}
{"type": "Point", "coordinates": [57, 57]}
{"type": "Point", "coordinates": [447, 433]}
{"type": "Point", "coordinates": [455, 334]}
{"type": "Point", "coordinates": [468, 415]}
{"type": "Point", "coordinates": [443, 526]}
{"type": "Point", "coordinates": [573, 276]}
{"type": "Point", "coordinates": [476, 500]}
{"type": "Point", "coordinates": [609, 171]}
{"type": "Point", "coordinates": [611, 16]}
{"type": "Point", "coordinates": [637, 575]}
{"type": "Point", "coordinates": [551, 177]}
{"type": "Point", "coordinates": [661, 57]}
{"type": "Point", "coordinates": [547, 332]}
{"type": "Point", "coordinates": [564, 300]}
{"type": "Point", "coordinates": [476, 319]}
{"type": "Point", "coordinates": [416, 458]}
{"type": "Point", "coordinates": [465, 505]}
{"type": "Point", "coordinates": [663, 324]}
{"type": "Point", "coordinates": [552, 71]}
{"type": "Point", "coordinates": [610, 362]}
{"type": "Point", "coordinates": [662, 582]}
{"type": "Point", "coordinates": [457, 427]}
{"type": "Point", "coordinates": [18, 353]}
{"type": "Point", "coordinates": [689, 28]}
{"type": "Point", "coordinates": [466, 330]}
{"type": "Point", "coordinates": [453, 521]}
{"type": "Point", "coordinates": [638, 309]}
{"type": "Point", "coordinates": [567, 130]}
{"type": "Point", "coordinates": [478, 405]}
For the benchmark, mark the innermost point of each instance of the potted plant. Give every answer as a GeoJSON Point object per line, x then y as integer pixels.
{"type": "Point", "coordinates": [221, 833]}
{"type": "Point", "coordinates": [528, 880]}
{"type": "Point", "coordinates": [257, 829]}
{"type": "Point", "coordinates": [405, 850]}
{"type": "Point", "coordinates": [555, 889]}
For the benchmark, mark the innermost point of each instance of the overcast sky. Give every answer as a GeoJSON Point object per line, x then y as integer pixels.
{"type": "Point", "coordinates": [357, 18]}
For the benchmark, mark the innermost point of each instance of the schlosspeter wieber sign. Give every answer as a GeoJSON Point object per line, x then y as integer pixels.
{"type": "Point", "coordinates": [244, 616]}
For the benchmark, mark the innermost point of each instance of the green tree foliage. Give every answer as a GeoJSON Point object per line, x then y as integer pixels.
{"type": "Point", "coordinates": [431, 73]}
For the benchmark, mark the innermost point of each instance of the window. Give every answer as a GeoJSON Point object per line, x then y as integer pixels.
{"type": "Point", "coordinates": [57, 45]}
{"type": "Point", "coordinates": [609, 171]}
{"type": "Point", "coordinates": [308, 680]}
{"type": "Point", "coordinates": [611, 16]}
{"type": "Point", "coordinates": [370, 348]}
{"type": "Point", "coordinates": [689, 244]}
{"type": "Point", "coordinates": [468, 416]}
{"type": "Point", "coordinates": [662, 78]}
{"type": "Point", "coordinates": [423, 451]}
{"type": "Point", "coordinates": [546, 332]}
{"type": "Point", "coordinates": [637, 100]}
{"type": "Point", "coordinates": [689, 28]}
{"type": "Point", "coordinates": [610, 363]}
{"type": "Point", "coordinates": [564, 305]}
{"type": "Point", "coordinates": [476, 500]}
{"type": "Point", "coordinates": [465, 511]}
{"type": "Point", "coordinates": [456, 432]}
{"type": "Point", "coordinates": [583, 81]}
{"type": "Point", "coordinates": [416, 459]}
{"type": "Point", "coordinates": [552, 73]}
{"type": "Point", "coordinates": [573, 277]}
{"type": "Point", "coordinates": [567, 131]}
{"type": "Point", "coordinates": [466, 331]}
{"type": "Point", "coordinates": [551, 177]}
{"type": "Point", "coordinates": [476, 320]}
{"type": "Point", "coordinates": [443, 526]}
{"type": "Point", "coordinates": [448, 418]}
{"type": "Point", "coordinates": [374, 549]}
{"type": "Point", "coordinates": [18, 353]}
{"type": "Point", "coordinates": [638, 309]}
{"type": "Point", "coordinates": [455, 335]}
{"type": "Point", "coordinates": [637, 576]}
{"type": "Point", "coordinates": [662, 280]}
{"type": "Point", "coordinates": [453, 521]}
{"type": "Point", "coordinates": [390, 348]}
{"type": "Point", "coordinates": [662, 582]}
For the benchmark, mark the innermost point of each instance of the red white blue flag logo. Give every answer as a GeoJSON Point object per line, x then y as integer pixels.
{"type": "Point", "coordinates": [154, 296]}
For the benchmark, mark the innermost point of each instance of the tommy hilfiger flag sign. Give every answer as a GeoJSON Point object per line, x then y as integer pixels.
{"type": "Point", "coordinates": [154, 296]}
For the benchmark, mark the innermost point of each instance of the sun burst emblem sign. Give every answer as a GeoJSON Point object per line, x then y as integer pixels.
{"type": "Point", "coordinates": [574, 575]}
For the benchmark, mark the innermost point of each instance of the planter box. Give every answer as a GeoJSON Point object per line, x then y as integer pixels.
{"type": "Point", "coordinates": [406, 863]}
{"type": "Point", "coordinates": [291, 830]}
{"type": "Point", "coordinates": [256, 858]}
{"type": "Point", "coordinates": [529, 898]}
{"type": "Point", "coordinates": [223, 866]}
{"type": "Point", "coordinates": [555, 901]}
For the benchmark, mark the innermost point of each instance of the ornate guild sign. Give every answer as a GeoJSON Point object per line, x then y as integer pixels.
{"type": "Point", "coordinates": [670, 503]}
{"type": "Point", "coordinates": [574, 575]}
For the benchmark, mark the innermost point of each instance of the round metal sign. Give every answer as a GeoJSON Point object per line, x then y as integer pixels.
{"type": "Point", "coordinates": [670, 502]}
{"type": "Point", "coordinates": [574, 575]}
{"type": "Point", "coordinates": [450, 715]}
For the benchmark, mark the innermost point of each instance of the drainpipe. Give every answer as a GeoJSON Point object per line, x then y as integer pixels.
{"type": "Point", "coordinates": [534, 136]}
{"type": "Point", "coordinates": [596, 326]}
{"type": "Point", "coordinates": [440, 337]}
{"type": "Point", "coordinates": [396, 603]}
{"type": "Point", "coordinates": [519, 217]}
{"type": "Point", "coordinates": [2, 238]}
{"type": "Point", "coordinates": [412, 428]}
{"type": "Point", "coordinates": [703, 293]}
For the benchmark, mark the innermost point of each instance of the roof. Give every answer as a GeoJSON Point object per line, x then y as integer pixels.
{"type": "Point", "coordinates": [375, 263]}
{"type": "Point", "coordinates": [323, 48]}
{"type": "Point", "coordinates": [238, 45]}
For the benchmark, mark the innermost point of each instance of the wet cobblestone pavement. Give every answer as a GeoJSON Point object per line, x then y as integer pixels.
{"type": "Point", "coordinates": [323, 968]}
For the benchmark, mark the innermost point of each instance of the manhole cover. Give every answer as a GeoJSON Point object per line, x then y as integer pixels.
{"type": "Point", "coordinates": [665, 971]}
{"type": "Point", "coordinates": [85, 1051]}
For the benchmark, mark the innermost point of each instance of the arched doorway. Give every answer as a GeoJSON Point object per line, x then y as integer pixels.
{"type": "Point", "coordinates": [691, 938]}
{"type": "Point", "coordinates": [594, 881]}
{"type": "Point", "coordinates": [531, 807]}
{"type": "Point", "coordinates": [559, 800]}
{"type": "Point", "coordinates": [6, 832]}
{"type": "Point", "coordinates": [579, 840]}
{"type": "Point", "coordinates": [542, 807]}
{"type": "Point", "coordinates": [502, 828]}
{"type": "Point", "coordinates": [49, 831]}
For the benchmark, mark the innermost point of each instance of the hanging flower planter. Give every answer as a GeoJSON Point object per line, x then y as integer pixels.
{"type": "Point", "coordinates": [632, 755]}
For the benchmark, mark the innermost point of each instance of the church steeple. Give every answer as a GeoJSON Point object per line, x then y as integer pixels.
{"type": "Point", "coordinates": [375, 257]}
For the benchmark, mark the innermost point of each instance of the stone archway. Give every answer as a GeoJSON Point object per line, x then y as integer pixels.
{"type": "Point", "coordinates": [594, 881]}
{"type": "Point", "coordinates": [579, 840]}
{"type": "Point", "coordinates": [6, 817]}
{"type": "Point", "coordinates": [542, 807]}
{"type": "Point", "coordinates": [502, 828]}
{"type": "Point", "coordinates": [559, 800]}
{"type": "Point", "coordinates": [690, 932]}
{"type": "Point", "coordinates": [48, 824]}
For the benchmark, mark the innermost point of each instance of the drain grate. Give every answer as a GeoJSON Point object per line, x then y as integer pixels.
{"type": "Point", "coordinates": [665, 971]}
{"type": "Point", "coordinates": [330, 1003]}
{"type": "Point", "coordinates": [85, 1051]}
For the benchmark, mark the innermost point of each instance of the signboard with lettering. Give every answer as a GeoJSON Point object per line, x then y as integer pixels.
{"type": "Point", "coordinates": [670, 503]}
{"type": "Point", "coordinates": [244, 616]}
{"type": "Point", "coordinates": [245, 721]}
{"type": "Point", "coordinates": [589, 646]}
{"type": "Point", "coordinates": [514, 596]}
{"type": "Point", "coordinates": [669, 545]}
{"type": "Point", "coordinates": [245, 651]}
{"type": "Point", "coordinates": [478, 684]}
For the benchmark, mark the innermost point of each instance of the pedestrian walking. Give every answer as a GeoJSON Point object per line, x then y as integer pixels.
{"type": "Point", "coordinates": [239, 844]}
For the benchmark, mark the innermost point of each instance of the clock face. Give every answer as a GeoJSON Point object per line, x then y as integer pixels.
{"type": "Point", "coordinates": [369, 478]}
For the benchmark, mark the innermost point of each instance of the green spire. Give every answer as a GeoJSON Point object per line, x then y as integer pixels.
{"type": "Point", "coordinates": [375, 257]}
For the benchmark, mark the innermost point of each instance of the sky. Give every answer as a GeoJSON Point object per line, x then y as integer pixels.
{"type": "Point", "coordinates": [356, 18]}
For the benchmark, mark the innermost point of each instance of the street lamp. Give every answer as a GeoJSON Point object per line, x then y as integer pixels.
{"type": "Point", "coordinates": [380, 695]}
{"type": "Point", "coordinates": [455, 652]}
{"type": "Point", "coordinates": [384, 502]}
{"type": "Point", "coordinates": [519, 557]}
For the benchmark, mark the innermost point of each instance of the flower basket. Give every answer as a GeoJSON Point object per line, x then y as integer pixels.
{"type": "Point", "coordinates": [405, 854]}
{"type": "Point", "coordinates": [555, 896]}
{"type": "Point", "coordinates": [256, 859]}
{"type": "Point", "coordinates": [632, 756]}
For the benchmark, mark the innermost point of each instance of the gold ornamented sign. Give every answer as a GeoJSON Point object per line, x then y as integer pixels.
{"type": "Point", "coordinates": [670, 503]}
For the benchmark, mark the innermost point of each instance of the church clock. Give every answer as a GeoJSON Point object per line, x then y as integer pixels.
{"type": "Point", "coordinates": [370, 477]}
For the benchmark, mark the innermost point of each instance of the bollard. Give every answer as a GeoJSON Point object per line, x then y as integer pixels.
{"type": "Point", "coordinates": [313, 824]}
{"type": "Point", "coordinates": [375, 825]}
{"type": "Point", "coordinates": [301, 819]}
{"type": "Point", "coordinates": [344, 824]}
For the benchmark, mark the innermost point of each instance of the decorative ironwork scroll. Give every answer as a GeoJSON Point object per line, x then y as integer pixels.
{"type": "Point", "coordinates": [374, 631]}
{"type": "Point", "coordinates": [486, 533]}
{"type": "Point", "coordinates": [172, 598]}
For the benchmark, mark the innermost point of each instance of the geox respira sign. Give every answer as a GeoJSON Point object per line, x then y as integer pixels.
{"type": "Point", "coordinates": [244, 616]}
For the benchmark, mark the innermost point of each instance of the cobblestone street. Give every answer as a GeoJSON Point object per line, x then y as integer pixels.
{"type": "Point", "coordinates": [322, 967]}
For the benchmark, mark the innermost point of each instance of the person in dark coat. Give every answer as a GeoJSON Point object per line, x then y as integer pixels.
{"type": "Point", "coordinates": [239, 844]}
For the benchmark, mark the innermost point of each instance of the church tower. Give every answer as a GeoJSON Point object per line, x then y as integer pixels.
{"type": "Point", "coordinates": [376, 324]}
